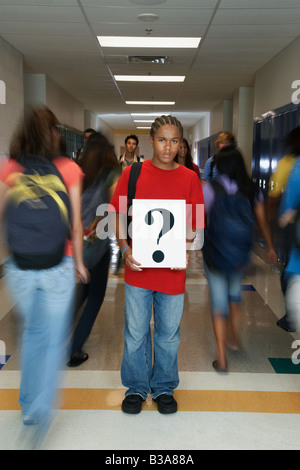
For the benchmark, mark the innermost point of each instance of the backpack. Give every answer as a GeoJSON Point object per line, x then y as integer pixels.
{"type": "Point", "coordinates": [133, 177]}
{"type": "Point", "coordinates": [92, 197]}
{"type": "Point", "coordinates": [38, 216]}
{"type": "Point", "coordinates": [228, 235]}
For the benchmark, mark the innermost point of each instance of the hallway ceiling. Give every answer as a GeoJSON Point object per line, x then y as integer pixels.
{"type": "Point", "coordinates": [59, 38]}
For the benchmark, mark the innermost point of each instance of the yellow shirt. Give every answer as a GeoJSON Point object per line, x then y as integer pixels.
{"type": "Point", "coordinates": [281, 175]}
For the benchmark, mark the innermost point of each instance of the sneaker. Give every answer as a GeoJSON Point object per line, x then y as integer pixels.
{"type": "Point", "coordinates": [285, 324]}
{"type": "Point", "coordinates": [132, 404]}
{"type": "Point", "coordinates": [77, 359]}
{"type": "Point", "coordinates": [166, 404]}
{"type": "Point", "coordinates": [29, 421]}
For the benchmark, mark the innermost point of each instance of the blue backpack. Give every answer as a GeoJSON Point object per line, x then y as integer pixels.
{"type": "Point", "coordinates": [228, 235]}
{"type": "Point", "coordinates": [37, 216]}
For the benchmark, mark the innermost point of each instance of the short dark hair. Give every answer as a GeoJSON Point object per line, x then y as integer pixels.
{"type": "Point", "coordinates": [89, 131]}
{"type": "Point", "coordinates": [134, 137]}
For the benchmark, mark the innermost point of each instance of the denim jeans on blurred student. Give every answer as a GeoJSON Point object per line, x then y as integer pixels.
{"type": "Point", "coordinates": [44, 299]}
{"type": "Point", "coordinates": [138, 373]}
{"type": "Point", "coordinates": [224, 289]}
{"type": "Point", "coordinates": [292, 301]}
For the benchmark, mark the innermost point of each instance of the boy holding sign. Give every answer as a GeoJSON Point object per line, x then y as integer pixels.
{"type": "Point", "coordinates": [160, 179]}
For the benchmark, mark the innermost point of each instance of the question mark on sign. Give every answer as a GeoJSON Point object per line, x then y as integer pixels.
{"type": "Point", "coordinates": [168, 223]}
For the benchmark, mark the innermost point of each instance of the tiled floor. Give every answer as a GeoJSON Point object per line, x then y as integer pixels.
{"type": "Point", "coordinates": [255, 406]}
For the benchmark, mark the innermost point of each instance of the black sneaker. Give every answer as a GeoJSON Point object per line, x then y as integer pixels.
{"type": "Point", "coordinates": [285, 324]}
{"type": "Point", "coordinates": [132, 404]}
{"type": "Point", "coordinates": [166, 404]}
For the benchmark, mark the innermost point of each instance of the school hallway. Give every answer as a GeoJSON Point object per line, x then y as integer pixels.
{"type": "Point", "coordinates": [255, 406]}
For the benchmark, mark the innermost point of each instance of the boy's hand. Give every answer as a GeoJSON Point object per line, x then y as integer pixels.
{"type": "Point", "coordinates": [130, 261]}
{"type": "Point", "coordinates": [187, 263]}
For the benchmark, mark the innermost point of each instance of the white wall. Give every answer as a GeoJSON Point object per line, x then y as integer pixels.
{"type": "Point", "coordinates": [216, 119]}
{"type": "Point", "coordinates": [272, 89]}
{"type": "Point", "coordinates": [105, 129]}
{"type": "Point", "coordinates": [66, 107]}
{"type": "Point", "coordinates": [93, 121]}
{"type": "Point", "coordinates": [11, 73]}
{"type": "Point", "coordinates": [274, 80]}
{"type": "Point", "coordinates": [34, 89]}
{"type": "Point", "coordinates": [199, 131]}
{"type": "Point", "coordinates": [41, 90]}
{"type": "Point", "coordinates": [242, 123]}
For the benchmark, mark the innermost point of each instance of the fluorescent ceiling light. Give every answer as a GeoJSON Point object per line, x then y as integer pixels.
{"type": "Point", "coordinates": [147, 114]}
{"type": "Point", "coordinates": [150, 78]}
{"type": "Point", "coordinates": [149, 41]}
{"type": "Point", "coordinates": [143, 120]}
{"type": "Point", "coordinates": [163, 103]}
{"type": "Point", "coordinates": [143, 127]}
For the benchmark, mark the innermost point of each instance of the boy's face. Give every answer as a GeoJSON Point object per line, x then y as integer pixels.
{"type": "Point", "coordinates": [131, 145]}
{"type": "Point", "coordinates": [165, 145]}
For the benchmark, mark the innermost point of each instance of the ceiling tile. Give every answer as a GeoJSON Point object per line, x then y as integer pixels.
{"type": "Point", "coordinates": [59, 38]}
{"type": "Point", "coordinates": [258, 16]}
{"type": "Point", "coordinates": [37, 13]}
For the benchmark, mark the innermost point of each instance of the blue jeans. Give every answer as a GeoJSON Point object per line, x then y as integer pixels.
{"type": "Point", "coordinates": [44, 299]}
{"type": "Point", "coordinates": [224, 289]}
{"type": "Point", "coordinates": [137, 371]}
{"type": "Point", "coordinates": [292, 300]}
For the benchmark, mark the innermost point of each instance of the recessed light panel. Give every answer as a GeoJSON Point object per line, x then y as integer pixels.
{"type": "Point", "coordinates": [149, 78]}
{"type": "Point", "coordinates": [149, 42]}
{"type": "Point", "coordinates": [163, 103]}
{"type": "Point", "coordinates": [148, 2]}
{"type": "Point", "coordinates": [148, 114]}
{"type": "Point", "coordinates": [148, 17]}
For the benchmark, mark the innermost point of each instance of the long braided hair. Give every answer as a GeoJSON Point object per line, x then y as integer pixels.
{"type": "Point", "coordinates": [164, 120]}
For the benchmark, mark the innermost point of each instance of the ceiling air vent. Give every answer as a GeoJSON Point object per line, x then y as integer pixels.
{"type": "Point", "coordinates": [149, 60]}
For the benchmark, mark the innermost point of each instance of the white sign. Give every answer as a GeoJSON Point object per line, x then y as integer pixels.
{"type": "Point", "coordinates": [159, 233]}
{"type": "Point", "coordinates": [2, 92]}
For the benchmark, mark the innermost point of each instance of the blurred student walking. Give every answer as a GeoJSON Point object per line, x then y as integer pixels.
{"type": "Point", "coordinates": [39, 195]}
{"type": "Point", "coordinates": [277, 186]}
{"type": "Point", "coordinates": [231, 203]}
{"type": "Point", "coordinates": [102, 171]}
